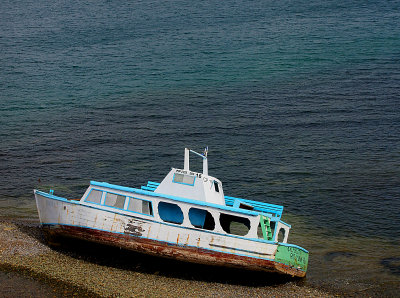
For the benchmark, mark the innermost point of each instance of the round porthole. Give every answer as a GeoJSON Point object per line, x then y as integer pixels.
{"type": "Point", "coordinates": [170, 212]}
{"type": "Point", "coordinates": [202, 219]}
{"type": "Point", "coordinates": [281, 235]}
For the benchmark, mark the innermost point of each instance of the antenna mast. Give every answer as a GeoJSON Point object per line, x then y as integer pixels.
{"type": "Point", "coordinates": [203, 156]}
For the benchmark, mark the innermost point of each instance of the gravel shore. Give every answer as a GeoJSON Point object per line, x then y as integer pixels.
{"type": "Point", "coordinates": [86, 269]}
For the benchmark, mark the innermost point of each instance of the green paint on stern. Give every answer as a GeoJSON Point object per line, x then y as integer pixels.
{"type": "Point", "coordinates": [292, 256]}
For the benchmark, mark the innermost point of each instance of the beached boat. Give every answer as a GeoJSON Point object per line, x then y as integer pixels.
{"type": "Point", "coordinates": [185, 217]}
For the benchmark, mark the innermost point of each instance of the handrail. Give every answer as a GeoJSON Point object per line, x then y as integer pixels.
{"type": "Point", "coordinates": [258, 206]}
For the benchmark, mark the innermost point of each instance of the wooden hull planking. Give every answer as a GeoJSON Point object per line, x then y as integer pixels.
{"type": "Point", "coordinates": [179, 252]}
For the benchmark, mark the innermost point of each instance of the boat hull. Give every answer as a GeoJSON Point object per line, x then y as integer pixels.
{"type": "Point", "coordinates": [147, 234]}
{"type": "Point", "coordinates": [168, 250]}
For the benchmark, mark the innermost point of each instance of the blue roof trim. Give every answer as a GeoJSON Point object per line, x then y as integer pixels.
{"type": "Point", "coordinates": [179, 199]}
{"type": "Point", "coordinates": [153, 183]}
{"type": "Point", "coordinates": [293, 245]}
{"type": "Point", "coordinates": [290, 226]}
{"type": "Point", "coordinates": [147, 188]}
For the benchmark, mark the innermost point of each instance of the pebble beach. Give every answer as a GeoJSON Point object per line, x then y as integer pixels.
{"type": "Point", "coordinates": [77, 268]}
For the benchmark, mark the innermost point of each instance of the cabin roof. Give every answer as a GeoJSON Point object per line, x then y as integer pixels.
{"type": "Point", "coordinates": [276, 210]}
{"type": "Point", "coordinates": [179, 199]}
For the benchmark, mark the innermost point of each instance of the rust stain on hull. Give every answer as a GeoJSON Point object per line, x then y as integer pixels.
{"type": "Point", "coordinates": [178, 252]}
{"type": "Point", "coordinates": [187, 240]}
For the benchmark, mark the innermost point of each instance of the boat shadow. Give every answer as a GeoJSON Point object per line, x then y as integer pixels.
{"type": "Point", "coordinates": [105, 255]}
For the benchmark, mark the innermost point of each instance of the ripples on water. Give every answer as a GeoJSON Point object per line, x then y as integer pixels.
{"type": "Point", "coordinates": [298, 103]}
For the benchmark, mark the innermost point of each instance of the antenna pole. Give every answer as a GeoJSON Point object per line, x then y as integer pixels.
{"type": "Point", "coordinates": [205, 166]}
{"type": "Point", "coordinates": [186, 162]}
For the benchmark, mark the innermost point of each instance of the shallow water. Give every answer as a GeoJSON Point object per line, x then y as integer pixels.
{"type": "Point", "coordinates": [298, 103]}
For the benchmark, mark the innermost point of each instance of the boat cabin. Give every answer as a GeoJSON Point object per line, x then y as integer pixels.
{"type": "Point", "coordinates": [195, 201]}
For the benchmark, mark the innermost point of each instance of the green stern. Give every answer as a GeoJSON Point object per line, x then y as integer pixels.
{"type": "Point", "coordinates": [292, 256]}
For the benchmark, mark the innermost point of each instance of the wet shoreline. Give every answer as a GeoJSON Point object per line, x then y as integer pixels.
{"type": "Point", "coordinates": [79, 268]}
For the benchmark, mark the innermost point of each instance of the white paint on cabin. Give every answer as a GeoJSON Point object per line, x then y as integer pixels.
{"type": "Point", "coordinates": [193, 185]}
{"type": "Point", "coordinates": [284, 227]}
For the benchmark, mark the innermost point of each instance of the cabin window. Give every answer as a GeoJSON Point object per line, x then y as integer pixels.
{"type": "Point", "coordinates": [170, 213]}
{"type": "Point", "coordinates": [216, 187]}
{"type": "Point", "coordinates": [234, 224]}
{"type": "Point", "coordinates": [140, 206]}
{"type": "Point", "coordinates": [260, 232]}
{"type": "Point", "coordinates": [202, 219]}
{"type": "Point", "coordinates": [114, 200]}
{"type": "Point", "coordinates": [184, 179]}
{"type": "Point", "coordinates": [94, 196]}
{"type": "Point", "coordinates": [281, 235]}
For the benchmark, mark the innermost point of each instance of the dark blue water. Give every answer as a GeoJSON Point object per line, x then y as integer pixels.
{"type": "Point", "coordinates": [298, 102]}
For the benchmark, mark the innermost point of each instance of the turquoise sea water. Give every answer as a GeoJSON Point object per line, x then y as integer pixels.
{"type": "Point", "coordinates": [297, 100]}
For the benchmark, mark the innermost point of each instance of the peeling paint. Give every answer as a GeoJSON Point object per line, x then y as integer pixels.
{"type": "Point", "coordinates": [211, 240]}
{"type": "Point", "coordinates": [133, 230]}
{"type": "Point", "coordinates": [179, 252]}
{"type": "Point", "coordinates": [113, 222]}
{"type": "Point", "coordinates": [134, 227]}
